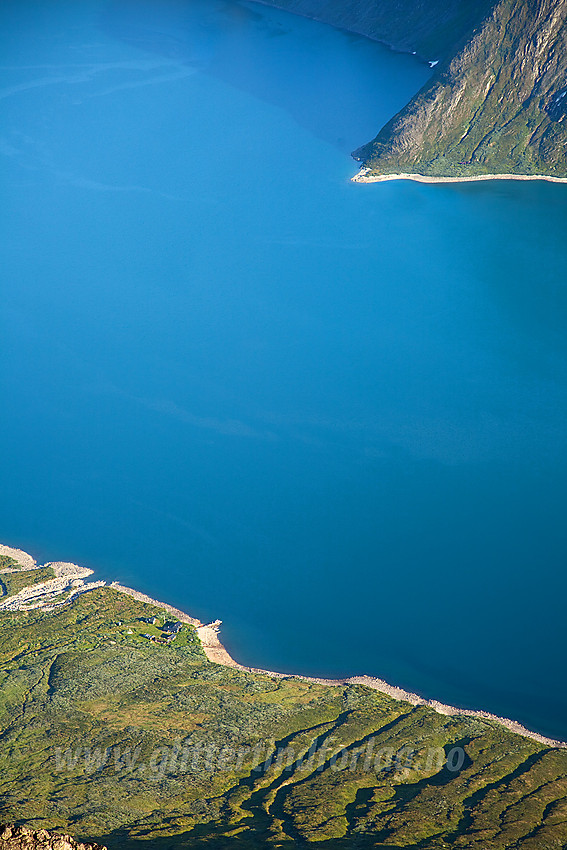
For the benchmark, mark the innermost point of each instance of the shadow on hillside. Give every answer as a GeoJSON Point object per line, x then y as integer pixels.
{"type": "Point", "coordinates": [210, 837]}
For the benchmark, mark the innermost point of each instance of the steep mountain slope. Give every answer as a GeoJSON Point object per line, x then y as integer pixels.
{"type": "Point", "coordinates": [498, 106]}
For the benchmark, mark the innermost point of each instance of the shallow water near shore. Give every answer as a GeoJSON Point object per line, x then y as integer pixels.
{"type": "Point", "coordinates": [332, 415]}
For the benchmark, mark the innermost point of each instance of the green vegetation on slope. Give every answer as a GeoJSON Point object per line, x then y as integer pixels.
{"type": "Point", "coordinates": [497, 101]}
{"type": "Point", "coordinates": [498, 107]}
{"type": "Point", "coordinates": [110, 736]}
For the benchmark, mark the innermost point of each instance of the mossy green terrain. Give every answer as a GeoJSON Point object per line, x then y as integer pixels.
{"type": "Point", "coordinates": [117, 732]}
{"type": "Point", "coordinates": [6, 562]}
{"type": "Point", "coordinates": [12, 583]}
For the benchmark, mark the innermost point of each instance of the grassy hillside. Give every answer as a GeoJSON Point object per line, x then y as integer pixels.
{"type": "Point", "coordinates": [109, 735]}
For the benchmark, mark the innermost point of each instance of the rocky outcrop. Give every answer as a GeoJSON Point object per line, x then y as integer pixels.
{"type": "Point", "coordinates": [17, 558]}
{"type": "Point", "coordinates": [23, 838]}
{"type": "Point", "coordinates": [48, 595]}
{"type": "Point", "coordinates": [498, 107]}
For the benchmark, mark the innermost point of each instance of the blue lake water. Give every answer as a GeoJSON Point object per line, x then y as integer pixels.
{"type": "Point", "coordinates": [332, 415]}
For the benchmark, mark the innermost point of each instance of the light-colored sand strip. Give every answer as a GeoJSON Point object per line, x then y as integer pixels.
{"type": "Point", "coordinates": [217, 653]}
{"type": "Point", "coordinates": [365, 176]}
{"type": "Point", "coordinates": [214, 650]}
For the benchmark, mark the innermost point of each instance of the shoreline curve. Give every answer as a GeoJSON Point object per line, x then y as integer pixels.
{"type": "Point", "coordinates": [217, 653]}
{"type": "Point", "coordinates": [365, 176]}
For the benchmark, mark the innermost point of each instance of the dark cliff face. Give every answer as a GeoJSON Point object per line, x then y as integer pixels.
{"type": "Point", "coordinates": [499, 106]}
{"type": "Point", "coordinates": [431, 29]}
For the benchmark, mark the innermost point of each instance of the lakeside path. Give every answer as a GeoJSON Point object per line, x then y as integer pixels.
{"type": "Point", "coordinates": [217, 653]}
{"type": "Point", "coordinates": [365, 176]}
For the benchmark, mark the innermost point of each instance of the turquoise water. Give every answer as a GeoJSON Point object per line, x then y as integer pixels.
{"type": "Point", "coordinates": [332, 415]}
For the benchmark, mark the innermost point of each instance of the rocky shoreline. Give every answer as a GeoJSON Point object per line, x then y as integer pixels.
{"type": "Point", "coordinates": [218, 654]}
{"type": "Point", "coordinates": [215, 651]}
{"type": "Point", "coordinates": [68, 583]}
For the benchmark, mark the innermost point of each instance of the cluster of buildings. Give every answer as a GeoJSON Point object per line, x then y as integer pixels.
{"type": "Point", "coordinates": [170, 630]}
